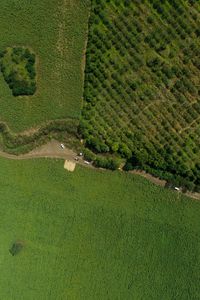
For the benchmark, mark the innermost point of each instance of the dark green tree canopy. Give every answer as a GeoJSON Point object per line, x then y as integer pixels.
{"type": "Point", "coordinates": [18, 67]}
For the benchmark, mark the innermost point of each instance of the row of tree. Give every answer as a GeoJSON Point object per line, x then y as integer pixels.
{"type": "Point", "coordinates": [126, 80]}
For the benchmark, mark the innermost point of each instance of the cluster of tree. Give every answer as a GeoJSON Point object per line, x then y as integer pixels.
{"type": "Point", "coordinates": [18, 68]}
{"type": "Point", "coordinates": [102, 161]}
{"type": "Point", "coordinates": [130, 65]}
{"type": "Point", "coordinates": [177, 172]}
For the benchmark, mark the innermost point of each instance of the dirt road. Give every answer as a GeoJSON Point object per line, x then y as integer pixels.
{"type": "Point", "coordinates": [53, 149]}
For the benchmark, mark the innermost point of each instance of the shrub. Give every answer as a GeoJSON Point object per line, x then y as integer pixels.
{"type": "Point", "coordinates": [107, 162]}
{"type": "Point", "coordinates": [89, 155]}
{"type": "Point", "coordinates": [16, 248]}
{"type": "Point", "coordinates": [18, 68]}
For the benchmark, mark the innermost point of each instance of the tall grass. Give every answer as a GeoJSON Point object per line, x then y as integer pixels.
{"type": "Point", "coordinates": [94, 235]}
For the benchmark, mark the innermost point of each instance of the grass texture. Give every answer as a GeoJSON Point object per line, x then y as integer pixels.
{"type": "Point", "coordinates": [94, 235]}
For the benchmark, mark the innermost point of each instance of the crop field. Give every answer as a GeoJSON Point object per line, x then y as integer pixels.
{"type": "Point", "coordinates": [142, 85]}
{"type": "Point", "coordinates": [94, 235]}
{"type": "Point", "coordinates": [56, 32]}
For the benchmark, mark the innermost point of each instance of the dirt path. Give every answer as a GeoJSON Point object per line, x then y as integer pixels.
{"type": "Point", "coordinates": [51, 150]}
{"type": "Point", "coordinates": [189, 126]}
{"type": "Point", "coordinates": [150, 177]}
{"type": "Point", "coordinates": [54, 150]}
{"type": "Point", "coordinates": [162, 183]}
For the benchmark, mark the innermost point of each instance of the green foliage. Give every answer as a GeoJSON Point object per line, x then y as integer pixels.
{"type": "Point", "coordinates": [22, 143]}
{"type": "Point", "coordinates": [89, 155]}
{"type": "Point", "coordinates": [18, 68]}
{"type": "Point", "coordinates": [16, 248]}
{"type": "Point", "coordinates": [142, 85]}
{"type": "Point", "coordinates": [115, 232]}
{"type": "Point", "coordinates": [106, 162]}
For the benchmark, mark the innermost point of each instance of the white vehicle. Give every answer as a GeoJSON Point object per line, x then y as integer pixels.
{"type": "Point", "coordinates": [62, 146]}
{"type": "Point", "coordinates": [177, 189]}
{"type": "Point", "coordinates": [86, 162]}
{"type": "Point", "coordinates": [80, 154]}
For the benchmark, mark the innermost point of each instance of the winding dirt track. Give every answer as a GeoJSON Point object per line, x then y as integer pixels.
{"type": "Point", "coordinates": [54, 150]}
{"type": "Point", "coordinates": [51, 150]}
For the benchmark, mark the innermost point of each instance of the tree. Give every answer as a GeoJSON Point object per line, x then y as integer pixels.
{"type": "Point", "coordinates": [16, 248]}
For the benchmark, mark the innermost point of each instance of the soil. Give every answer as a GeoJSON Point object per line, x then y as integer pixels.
{"type": "Point", "coordinates": [150, 177]}
{"type": "Point", "coordinates": [69, 165]}
{"type": "Point", "coordinates": [52, 149]}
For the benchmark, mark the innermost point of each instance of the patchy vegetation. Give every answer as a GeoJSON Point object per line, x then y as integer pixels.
{"type": "Point", "coordinates": [65, 130]}
{"type": "Point", "coordinates": [18, 67]}
{"type": "Point", "coordinates": [56, 31]}
{"type": "Point", "coordinates": [142, 86]}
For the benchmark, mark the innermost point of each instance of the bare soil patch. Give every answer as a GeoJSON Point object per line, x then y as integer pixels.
{"type": "Point", "coordinates": [69, 165]}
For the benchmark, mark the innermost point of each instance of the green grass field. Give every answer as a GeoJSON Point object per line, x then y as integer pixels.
{"type": "Point", "coordinates": [94, 235]}
{"type": "Point", "coordinates": [56, 32]}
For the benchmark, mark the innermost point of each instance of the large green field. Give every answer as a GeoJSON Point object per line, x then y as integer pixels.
{"type": "Point", "coordinates": [142, 88]}
{"type": "Point", "coordinates": [94, 235]}
{"type": "Point", "coordinates": [56, 31]}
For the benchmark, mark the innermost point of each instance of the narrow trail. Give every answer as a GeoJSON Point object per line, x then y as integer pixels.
{"type": "Point", "coordinates": [51, 150]}
{"type": "Point", "coordinates": [189, 126]}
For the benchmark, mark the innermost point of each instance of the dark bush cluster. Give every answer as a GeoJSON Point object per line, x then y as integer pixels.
{"type": "Point", "coordinates": [16, 248]}
{"type": "Point", "coordinates": [18, 68]}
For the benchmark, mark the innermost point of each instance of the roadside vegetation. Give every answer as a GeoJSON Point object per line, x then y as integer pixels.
{"type": "Point", "coordinates": [63, 130]}
{"type": "Point", "coordinates": [94, 235]}
{"type": "Point", "coordinates": [142, 86]}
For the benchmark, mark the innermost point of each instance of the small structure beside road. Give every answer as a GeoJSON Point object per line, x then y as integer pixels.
{"type": "Point", "coordinates": [69, 165]}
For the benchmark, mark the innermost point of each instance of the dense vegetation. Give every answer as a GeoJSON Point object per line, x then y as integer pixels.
{"type": "Point", "coordinates": [142, 85]}
{"type": "Point", "coordinates": [18, 67]}
{"type": "Point", "coordinates": [56, 30]}
{"type": "Point", "coordinates": [65, 130]}
{"type": "Point", "coordinates": [94, 235]}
